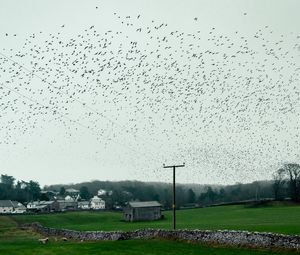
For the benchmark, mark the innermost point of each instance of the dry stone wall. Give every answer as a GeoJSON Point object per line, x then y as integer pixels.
{"type": "Point", "coordinates": [224, 237]}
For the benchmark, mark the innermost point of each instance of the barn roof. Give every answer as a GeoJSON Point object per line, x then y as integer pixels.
{"type": "Point", "coordinates": [145, 204]}
{"type": "Point", "coordinates": [5, 203]}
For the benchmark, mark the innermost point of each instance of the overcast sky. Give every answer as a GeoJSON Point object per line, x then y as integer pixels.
{"type": "Point", "coordinates": [112, 90]}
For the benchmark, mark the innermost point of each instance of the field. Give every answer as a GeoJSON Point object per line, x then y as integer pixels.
{"type": "Point", "coordinates": [273, 218]}
{"type": "Point", "coordinates": [281, 219]}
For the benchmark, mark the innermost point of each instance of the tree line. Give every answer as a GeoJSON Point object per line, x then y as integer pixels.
{"type": "Point", "coordinates": [285, 184]}
{"type": "Point", "coordinates": [20, 191]}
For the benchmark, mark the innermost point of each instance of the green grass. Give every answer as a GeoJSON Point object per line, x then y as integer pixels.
{"type": "Point", "coordinates": [277, 219]}
{"type": "Point", "coordinates": [14, 241]}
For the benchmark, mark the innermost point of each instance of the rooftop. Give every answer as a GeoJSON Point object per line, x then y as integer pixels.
{"type": "Point", "coordinates": [9, 203]}
{"type": "Point", "coordinates": [72, 191]}
{"type": "Point", "coordinates": [17, 204]}
{"type": "Point", "coordinates": [6, 203]}
{"type": "Point", "coordinates": [145, 204]}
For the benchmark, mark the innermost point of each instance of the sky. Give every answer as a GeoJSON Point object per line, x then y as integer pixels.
{"type": "Point", "coordinates": [112, 90]}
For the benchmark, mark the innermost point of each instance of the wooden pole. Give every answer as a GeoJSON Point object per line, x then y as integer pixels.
{"type": "Point", "coordinates": [174, 193]}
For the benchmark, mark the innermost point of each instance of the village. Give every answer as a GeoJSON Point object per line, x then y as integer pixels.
{"type": "Point", "coordinates": [150, 127]}
{"type": "Point", "coordinates": [71, 201]}
{"type": "Point", "coordinates": [133, 211]}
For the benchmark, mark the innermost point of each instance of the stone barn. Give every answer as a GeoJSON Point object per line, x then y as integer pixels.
{"type": "Point", "coordinates": [139, 211]}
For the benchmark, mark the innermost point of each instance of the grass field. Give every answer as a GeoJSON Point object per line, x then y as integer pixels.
{"type": "Point", "coordinates": [281, 219]}
{"type": "Point", "coordinates": [275, 218]}
{"type": "Point", "coordinates": [14, 241]}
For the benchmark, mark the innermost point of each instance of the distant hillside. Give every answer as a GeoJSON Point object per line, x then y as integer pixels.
{"type": "Point", "coordinates": [95, 185]}
{"type": "Point", "coordinates": [120, 192]}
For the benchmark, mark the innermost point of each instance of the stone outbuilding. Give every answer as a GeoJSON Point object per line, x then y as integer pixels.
{"type": "Point", "coordinates": [142, 211]}
{"type": "Point", "coordinates": [67, 205]}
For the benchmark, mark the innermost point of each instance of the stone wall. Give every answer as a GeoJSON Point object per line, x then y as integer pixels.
{"type": "Point", "coordinates": [224, 237]}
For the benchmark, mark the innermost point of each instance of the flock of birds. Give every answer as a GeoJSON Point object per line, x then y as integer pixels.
{"type": "Point", "coordinates": [226, 104]}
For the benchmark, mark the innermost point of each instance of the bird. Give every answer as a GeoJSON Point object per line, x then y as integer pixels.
{"type": "Point", "coordinates": [228, 99]}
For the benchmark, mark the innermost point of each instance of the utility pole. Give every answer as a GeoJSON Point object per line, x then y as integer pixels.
{"type": "Point", "coordinates": [174, 197]}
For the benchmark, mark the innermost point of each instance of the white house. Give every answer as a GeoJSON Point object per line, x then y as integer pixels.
{"type": "Point", "coordinates": [69, 198]}
{"type": "Point", "coordinates": [97, 203]}
{"type": "Point", "coordinates": [33, 204]}
{"type": "Point", "coordinates": [102, 192]}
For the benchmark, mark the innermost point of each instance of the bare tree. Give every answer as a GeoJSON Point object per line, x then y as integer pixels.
{"type": "Point", "coordinates": [293, 172]}
{"type": "Point", "coordinates": [278, 185]}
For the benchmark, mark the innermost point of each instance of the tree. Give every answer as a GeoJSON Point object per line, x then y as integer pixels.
{"type": "Point", "coordinates": [211, 194]}
{"type": "Point", "coordinates": [257, 190]}
{"type": "Point", "coordinates": [156, 197]}
{"type": "Point", "coordinates": [293, 172]}
{"type": "Point", "coordinates": [34, 190]}
{"type": "Point", "coordinates": [7, 187]}
{"type": "Point", "coordinates": [278, 184]}
{"type": "Point", "coordinates": [44, 197]}
{"type": "Point", "coordinates": [7, 180]}
{"type": "Point", "coordinates": [222, 195]}
{"type": "Point", "coordinates": [84, 193]}
{"type": "Point", "coordinates": [62, 191]}
{"type": "Point", "coordinates": [236, 193]}
{"type": "Point", "coordinates": [181, 196]}
{"type": "Point", "coordinates": [21, 192]}
{"type": "Point", "coordinates": [167, 198]}
{"type": "Point", "coordinates": [209, 197]}
{"type": "Point", "coordinates": [191, 196]}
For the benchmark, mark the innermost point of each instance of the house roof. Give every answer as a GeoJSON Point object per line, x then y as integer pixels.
{"type": "Point", "coordinates": [40, 207]}
{"type": "Point", "coordinates": [47, 202]}
{"type": "Point", "coordinates": [17, 204]}
{"type": "Point", "coordinates": [49, 192]}
{"type": "Point", "coordinates": [69, 198]}
{"type": "Point", "coordinates": [9, 203]}
{"type": "Point", "coordinates": [67, 202]}
{"type": "Point", "coordinates": [34, 203]}
{"type": "Point", "coordinates": [6, 203]}
{"type": "Point", "coordinates": [96, 199]}
{"type": "Point", "coordinates": [83, 202]}
{"type": "Point", "coordinates": [145, 204]}
{"type": "Point", "coordinates": [37, 203]}
{"type": "Point", "coordinates": [72, 191]}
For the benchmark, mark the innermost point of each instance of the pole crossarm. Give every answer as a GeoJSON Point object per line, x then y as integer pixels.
{"type": "Point", "coordinates": [174, 166]}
